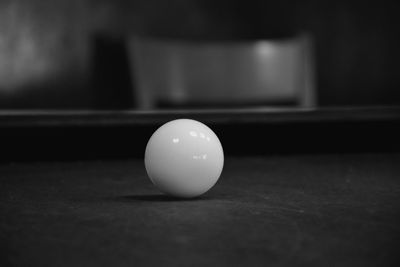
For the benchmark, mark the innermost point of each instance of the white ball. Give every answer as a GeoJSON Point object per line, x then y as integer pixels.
{"type": "Point", "coordinates": [184, 158]}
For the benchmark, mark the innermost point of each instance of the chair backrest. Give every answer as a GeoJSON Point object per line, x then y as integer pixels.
{"type": "Point", "coordinates": [265, 72]}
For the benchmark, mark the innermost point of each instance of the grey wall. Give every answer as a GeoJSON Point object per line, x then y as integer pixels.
{"type": "Point", "coordinates": [70, 53]}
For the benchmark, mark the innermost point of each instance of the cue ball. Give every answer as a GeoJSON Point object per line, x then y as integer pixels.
{"type": "Point", "coordinates": [184, 158]}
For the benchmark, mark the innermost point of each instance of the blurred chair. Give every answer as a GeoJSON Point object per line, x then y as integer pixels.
{"type": "Point", "coordinates": [177, 73]}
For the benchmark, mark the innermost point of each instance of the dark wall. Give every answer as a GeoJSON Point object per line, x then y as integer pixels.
{"type": "Point", "coordinates": [71, 53]}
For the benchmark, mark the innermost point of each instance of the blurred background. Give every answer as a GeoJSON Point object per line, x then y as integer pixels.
{"type": "Point", "coordinates": [118, 54]}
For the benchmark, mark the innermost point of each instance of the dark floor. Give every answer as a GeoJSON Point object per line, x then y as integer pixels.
{"type": "Point", "coordinates": [284, 210]}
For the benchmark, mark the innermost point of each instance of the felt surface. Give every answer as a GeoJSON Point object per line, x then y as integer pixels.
{"type": "Point", "coordinates": [282, 210]}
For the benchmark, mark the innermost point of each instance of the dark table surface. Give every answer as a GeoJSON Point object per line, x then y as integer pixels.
{"type": "Point", "coordinates": [300, 187]}
{"type": "Point", "coordinates": [272, 210]}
